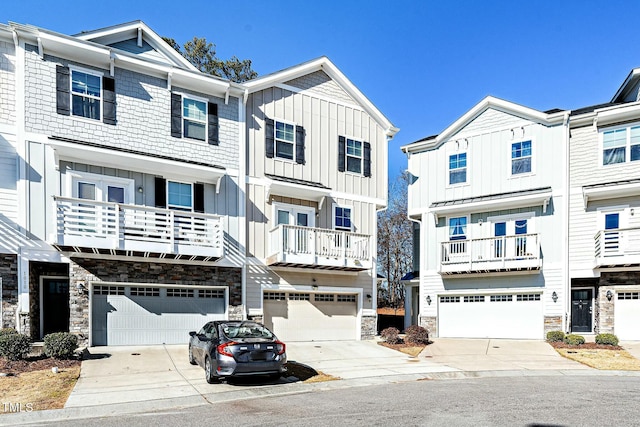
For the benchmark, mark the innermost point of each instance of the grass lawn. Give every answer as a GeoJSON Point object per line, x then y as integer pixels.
{"type": "Point", "coordinates": [39, 390]}
{"type": "Point", "coordinates": [619, 360]}
{"type": "Point", "coordinates": [410, 349]}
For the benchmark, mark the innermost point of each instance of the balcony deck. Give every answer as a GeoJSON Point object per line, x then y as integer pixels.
{"type": "Point", "coordinates": [618, 247]}
{"type": "Point", "coordinates": [494, 254]}
{"type": "Point", "coordinates": [307, 247]}
{"type": "Point", "coordinates": [105, 228]}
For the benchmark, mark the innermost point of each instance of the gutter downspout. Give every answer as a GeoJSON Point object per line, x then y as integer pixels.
{"type": "Point", "coordinates": [567, 273]}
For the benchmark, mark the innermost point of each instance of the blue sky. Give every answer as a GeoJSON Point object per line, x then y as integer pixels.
{"type": "Point", "coordinates": [422, 63]}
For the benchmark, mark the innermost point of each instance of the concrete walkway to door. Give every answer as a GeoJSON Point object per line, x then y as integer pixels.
{"type": "Point", "coordinates": [497, 355]}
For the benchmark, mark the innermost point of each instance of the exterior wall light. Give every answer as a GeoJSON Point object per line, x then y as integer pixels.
{"type": "Point", "coordinates": [554, 296]}
{"type": "Point", "coordinates": [609, 295]}
{"type": "Point", "coordinates": [428, 300]}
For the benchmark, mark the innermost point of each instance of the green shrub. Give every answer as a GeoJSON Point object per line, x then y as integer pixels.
{"type": "Point", "coordinates": [7, 331]}
{"type": "Point", "coordinates": [15, 346]}
{"type": "Point", "coordinates": [573, 339]}
{"type": "Point", "coordinates": [415, 334]}
{"type": "Point", "coordinates": [555, 336]}
{"type": "Point", "coordinates": [390, 335]}
{"type": "Point", "coordinates": [606, 339]}
{"type": "Point", "coordinates": [60, 345]}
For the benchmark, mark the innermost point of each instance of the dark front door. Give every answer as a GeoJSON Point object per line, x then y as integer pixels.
{"type": "Point", "coordinates": [581, 310]}
{"type": "Point", "coordinates": [55, 306]}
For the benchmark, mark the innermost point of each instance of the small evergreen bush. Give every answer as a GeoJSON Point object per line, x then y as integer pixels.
{"type": "Point", "coordinates": [390, 335]}
{"type": "Point", "coordinates": [7, 331]}
{"type": "Point", "coordinates": [15, 346]}
{"type": "Point", "coordinates": [606, 339]}
{"type": "Point", "coordinates": [555, 336]}
{"type": "Point", "coordinates": [60, 345]}
{"type": "Point", "coordinates": [573, 339]}
{"type": "Point", "coordinates": [415, 334]}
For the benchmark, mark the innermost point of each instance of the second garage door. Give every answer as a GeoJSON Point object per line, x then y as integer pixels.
{"type": "Point", "coordinates": [516, 316]}
{"type": "Point", "coordinates": [299, 316]}
{"type": "Point", "coordinates": [136, 315]}
{"type": "Point", "coordinates": [627, 316]}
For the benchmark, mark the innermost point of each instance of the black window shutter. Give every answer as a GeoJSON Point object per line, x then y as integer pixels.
{"type": "Point", "coordinates": [176, 115]}
{"type": "Point", "coordinates": [269, 140]}
{"type": "Point", "coordinates": [198, 197]}
{"type": "Point", "coordinates": [300, 145]}
{"type": "Point", "coordinates": [213, 124]}
{"type": "Point", "coordinates": [161, 192]}
{"type": "Point", "coordinates": [63, 85]}
{"type": "Point", "coordinates": [342, 142]}
{"type": "Point", "coordinates": [109, 100]}
{"type": "Point", "coordinates": [366, 159]}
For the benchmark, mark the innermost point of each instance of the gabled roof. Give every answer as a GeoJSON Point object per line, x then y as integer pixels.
{"type": "Point", "coordinates": [323, 63]}
{"type": "Point", "coordinates": [628, 85]}
{"type": "Point", "coordinates": [112, 35]}
{"type": "Point", "coordinates": [490, 102]}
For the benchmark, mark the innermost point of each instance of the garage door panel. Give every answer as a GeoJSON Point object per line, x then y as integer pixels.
{"type": "Point", "coordinates": [627, 316]}
{"type": "Point", "coordinates": [129, 318]}
{"type": "Point", "coordinates": [310, 320]}
{"type": "Point", "coordinates": [481, 316]}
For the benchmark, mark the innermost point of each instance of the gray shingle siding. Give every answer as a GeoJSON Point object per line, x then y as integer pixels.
{"type": "Point", "coordinates": [143, 116]}
{"type": "Point", "coordinates": [7, 83]}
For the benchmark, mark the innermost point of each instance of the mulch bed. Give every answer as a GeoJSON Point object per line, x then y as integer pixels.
{"type": "Point", "coordinates": [586, 346]}
{"type": "Point", "coordinates": [34, 364]}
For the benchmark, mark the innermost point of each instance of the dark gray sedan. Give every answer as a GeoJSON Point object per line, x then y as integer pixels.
{"type": "Point", "coordinates": [234, 348]}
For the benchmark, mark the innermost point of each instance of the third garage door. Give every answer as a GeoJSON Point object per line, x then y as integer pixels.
{"type": "Point", "coordinates": [300, 316]}
{"type": "Point", "coordinates": [516, 316]}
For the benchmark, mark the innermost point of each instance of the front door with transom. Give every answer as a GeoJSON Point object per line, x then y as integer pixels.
{"type": "Point", "coordinates": [581, 310]}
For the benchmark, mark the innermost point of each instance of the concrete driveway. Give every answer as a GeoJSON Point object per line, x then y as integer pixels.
{"type": "Point", "coordinates": [497, 355]}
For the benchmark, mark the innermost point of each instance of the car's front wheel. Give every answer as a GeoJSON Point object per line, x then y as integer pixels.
{"type": "Point", "coordinates": [191, 359]}
{"type": "Point", "coordinates": [208, 371]}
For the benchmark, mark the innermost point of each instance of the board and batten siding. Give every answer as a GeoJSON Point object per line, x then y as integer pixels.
{"type": "Point", "coordinates": [323, 121]}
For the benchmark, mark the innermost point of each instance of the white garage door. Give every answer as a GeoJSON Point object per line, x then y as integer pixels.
{"type": "Point", "coordinates": [517, 316]}
{"type": "Point", "coordinates": [295, 316]}
{"type": "Point", "coordinates": [627, 316]}
{"type": "Point", "coordinates": [134, 315]}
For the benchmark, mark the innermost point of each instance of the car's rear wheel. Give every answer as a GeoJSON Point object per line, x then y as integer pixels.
{"type": "Point", "coordinates": [191, 359]}
{"type": "Point", "coordinates": [208, 372]}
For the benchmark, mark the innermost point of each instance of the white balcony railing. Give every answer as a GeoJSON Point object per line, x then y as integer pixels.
{"type": "Point", "coordinates": [92, 224]}
{"type": "Point", "coordinates": [620, 246]}
{"type": "Point", "coordinates": [503, 253]}
{"type": "Point", "coordinates": [317, 247]}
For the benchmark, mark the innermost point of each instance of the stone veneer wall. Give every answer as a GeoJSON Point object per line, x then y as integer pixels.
{"type": "Point", "coordinates": [96, 270]}
{"type": "Point", "coordinates": [369, 327]}
{"type": "Point", "coordinates": [552, 323]}
{"type": "Point", "coordinates": [9, 275]}
{"type": "Point", "coordinates": [430, 324]}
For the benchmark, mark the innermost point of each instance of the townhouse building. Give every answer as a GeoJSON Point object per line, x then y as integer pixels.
{"type": "Point", "coordinates": [120, 208]}
{"type": "Point", "coordinates": [604, 225]}
{"type": "Point", "coordinates": [317, 175]}
{"type": "Point", "coordinates": [140, 198]}
{"type": "Point", "coordinates": [489, 197]}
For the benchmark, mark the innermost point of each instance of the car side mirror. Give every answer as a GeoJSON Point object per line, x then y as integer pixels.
{"type": "Point", "coordinates": [192, 333]}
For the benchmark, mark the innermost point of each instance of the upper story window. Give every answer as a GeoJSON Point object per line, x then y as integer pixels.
{"type": "Point", "coordinates": [621, 145]}
{"type": "Point", "coordinates": [285, 140]}
{"type": "Point", "coordinates": [194, 116]}
{"type": "Point", "coordinates": [520, 157]}
{"type": "Point", "coordinates": [354, 156]}
{"type": "Point", "coordinates": [180, 196]}
{"type": "Point", "coordinates": [86, 91]}
{"type": "Point", "coordinates": [342, 218]}
{"type": "Point", "coordinates": [458, 228]}
{"type": "Point", "coordinates": [458, 168]}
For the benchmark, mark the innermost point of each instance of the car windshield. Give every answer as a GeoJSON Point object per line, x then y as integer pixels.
{"type": "Point", "coordinates": [246, 330]}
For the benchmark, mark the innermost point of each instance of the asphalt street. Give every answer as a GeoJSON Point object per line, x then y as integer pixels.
{"type": "Point", "coordinates": [496, 401]}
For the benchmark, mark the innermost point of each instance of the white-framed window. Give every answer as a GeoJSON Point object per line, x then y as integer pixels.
{"type": "Point", "coordinates": [457, 168]}
{"type": "Point", "coordinates": [302, 216]}
{"type": "Point", "coordinates": [354, 156]}
{"type": "Point", "coordinates": [458, 228]}
{"type": "Point", "coordinates": [194, 118]}
{"type": "Point", "coordinates": [285, 140]}
{"type": "Point", "coordinates": [521, 156]}
{"type": "Point", "coordinates": [342, 218]}
{"type": "Point", "coordinates": [103, 188]}
{"type": "Point", "coordinates": [86, 93]}
{"type": "Point", "coordinates": [179, 195]}
{"type": "Point", "coordinates": [620, 145]}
